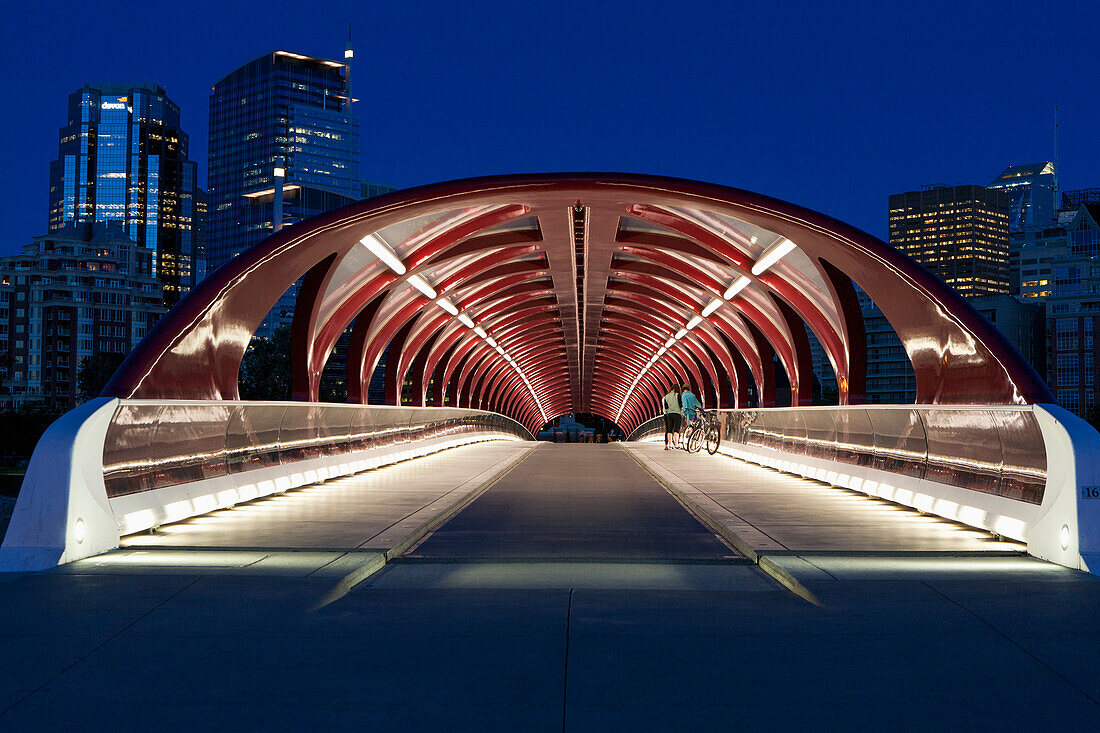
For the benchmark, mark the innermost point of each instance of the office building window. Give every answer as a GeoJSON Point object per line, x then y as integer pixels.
{"type": "Point", "coordinates": [1069, 399]}
{"type": "Point", "coordinates": [1067, 369]}
{"type": "Point", "coordinates": [1066, 334]}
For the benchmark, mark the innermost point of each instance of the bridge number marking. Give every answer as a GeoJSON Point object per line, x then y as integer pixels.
{"type": "Point", "coordinates": [1090, 492]}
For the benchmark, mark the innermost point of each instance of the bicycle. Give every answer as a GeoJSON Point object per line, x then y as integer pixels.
{"type": "Point", "coordinates": [704, 430]}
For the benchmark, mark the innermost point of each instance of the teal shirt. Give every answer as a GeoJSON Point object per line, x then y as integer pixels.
{"type": "Point", "coordinates": [689, 403]}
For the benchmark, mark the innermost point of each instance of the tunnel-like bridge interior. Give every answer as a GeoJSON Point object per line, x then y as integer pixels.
{"type": "Point", "coordinates": [538, 296]}
{"type": "Point", "coordinates": [505, 303]}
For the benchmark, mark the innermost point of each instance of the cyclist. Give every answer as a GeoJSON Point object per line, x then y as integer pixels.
{"type": "Point", "coordinates": [690, 406]}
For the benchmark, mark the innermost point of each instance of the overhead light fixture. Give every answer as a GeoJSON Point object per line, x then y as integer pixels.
{"type": "Point", "coordinates": [736, 288]}
{"type": "Point", "coordinates": [680, 334]}
{"type": "Point", "coordinates": [447, 306]}
{"type": "Point", "coordinates": [695, 321]}
{"type": "Point", "coordinates": [499, 349]}
{"type": "Point", "coordinates": [466, 321]}
{"type": "Point", "coordinates": [663, 349]}
{"type": "Point", "coordinates": [480, 331]}
{"type": "Point", "coordinates": [712, 306]}
{"type": "Point", "coordinates": [384, 253]}
{"type": "Point", "coordinates": [670, 342]}
{"type": "Point", "coordinates": [772, 255]}
{"type": "Point", "coordinates": [489, 340]}
{"type": "Point", "coordinates": [422, 285]}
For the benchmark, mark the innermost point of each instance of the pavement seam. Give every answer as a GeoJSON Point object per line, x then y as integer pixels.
{"type": "Point", "coordinates": [565, 669]}
{"type": "Point", "coordinates": [97, 647]}
{"type": "Point", "coordinates": [815, 565]}
{"type": "Point", "coordinates": [768, 566]}
{"type": "Point", "coordinates": [439, 498]}
{"type": "Point", "coordinates": [724, 507]}
{"type": "Point", "coordinates": [1010, 640]}
{"type": "Point", "coordinates": [376, 563]}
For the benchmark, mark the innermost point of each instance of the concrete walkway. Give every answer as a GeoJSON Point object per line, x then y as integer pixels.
{"type": "Point", "coordinates": [575, 501]}
{"type": "Point", "coordinates": [531, 637]}
{"type": "Point", "coordinates": [777, 513]}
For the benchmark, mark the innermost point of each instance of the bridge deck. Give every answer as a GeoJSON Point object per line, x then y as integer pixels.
{"type": "Point", "coordinates": [583, 502]}
{"type": "Point", "coordinates": [493, 624]}
{"type": "Point", "coordinates": [372, 510]}
{"type": "Point", "coordinates": [774, 512]}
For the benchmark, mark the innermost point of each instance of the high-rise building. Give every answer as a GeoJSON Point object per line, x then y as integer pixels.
{"type": "Point", "coordinates": [1059, 266]}
{"type": "Point", "coordinates": [122, 157]}
{"type": "Point", "coordinates": [1031, 194]}
{"type": "Point", "coordinates": [81, 291]}
{"type": "Point", "coordinates": [960, 233]}
{"type": "Point", "coordinates": [281, 113]}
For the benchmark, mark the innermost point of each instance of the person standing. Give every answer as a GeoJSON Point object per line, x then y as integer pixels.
{"type": "Point", "coordinates": [671, 404]}
{"type": "Point", "coordinates": [689, 405]}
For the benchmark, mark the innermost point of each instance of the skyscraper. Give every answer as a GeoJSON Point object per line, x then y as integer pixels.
{"type": "Point", "coordinates": [283, 111]}
{"type": "Point", "coordinates": [1031, 192]}
{"type": "Point", "coordinates": [959, 233]}
{"type": "Point", "coordinates": [122, 157]}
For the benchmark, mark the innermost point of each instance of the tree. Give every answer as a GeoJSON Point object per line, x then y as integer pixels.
{"type": "Point", "coordinates": [265, 369]}
{"type": "Point", "coordinates": [94, 372]}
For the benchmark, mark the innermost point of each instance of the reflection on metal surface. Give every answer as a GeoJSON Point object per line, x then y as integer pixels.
{"type": "Point", "coordinates": [151, 445]}
{"type": "Point", "coordinates": [993, 450]}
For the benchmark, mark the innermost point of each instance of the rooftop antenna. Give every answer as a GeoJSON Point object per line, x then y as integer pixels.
{"type": "Point", "coordinates": [1056, 156]}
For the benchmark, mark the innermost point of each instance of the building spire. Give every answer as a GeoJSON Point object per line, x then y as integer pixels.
{"type": "Point", "coordinates": [1056, 200]}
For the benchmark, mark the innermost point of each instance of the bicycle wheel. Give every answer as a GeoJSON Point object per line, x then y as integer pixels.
{"type": "Point", "coordinates": [713, 439]}
{"type": "Point", "coordinates": [695, 440]}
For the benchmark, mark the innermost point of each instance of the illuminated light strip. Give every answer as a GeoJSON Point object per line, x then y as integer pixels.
{"type": "Point", "coordinates": [288, 188]}
{"type": "Point", "coordinates": [670, 342]}
{"type": "Point", "coordinates": [465, 320]}
{"type": "Point", "coordinates": [680, 334]}
{"type": "Point", "coordinates": [772, 255]}
{"type": "Point", "coordinates": [490, 340]}
{"type": "Point", "coordinates": [695, 321]}
{"type": "Point", "coordinates": [384, 253]}
{"type": "Point", "coordinates": [450, 307]}
{"type": "Point", "coordinates": [712, 306]}
{"type": "Point", "coordinates": [480, 332]}
{"type": "Point", "coordinates": [422, 285]}
{"type": "Point", "coordinates": [737, 287]}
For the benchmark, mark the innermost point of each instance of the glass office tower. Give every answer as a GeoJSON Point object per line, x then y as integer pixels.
{"type": "Point", "coordinates": [960, 233]}
{"type": "Point", "coordinates": [123, 157]}
{"type": "Point", "coordinates": [288, 111]}
{"type": "Point", "coordinates": [1031, 194]}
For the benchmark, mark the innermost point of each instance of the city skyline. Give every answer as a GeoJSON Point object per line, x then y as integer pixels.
{"type": "Point", "coordinates": [834, 111]}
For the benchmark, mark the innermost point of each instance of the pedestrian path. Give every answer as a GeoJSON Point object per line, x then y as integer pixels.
{"type": "Point", "coordinates": [778, 513]}
{"type": "Point", "coordinates": [575, 502]}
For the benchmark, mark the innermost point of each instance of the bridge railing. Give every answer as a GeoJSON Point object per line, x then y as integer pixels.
{"type": "Point", "coordinates": [115, 467]}
{"type": "Point", "coordinates": [1024, 472]}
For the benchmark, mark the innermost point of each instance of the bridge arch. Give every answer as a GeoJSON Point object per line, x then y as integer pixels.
{"type": "Point", "coordinates": [543, 295]}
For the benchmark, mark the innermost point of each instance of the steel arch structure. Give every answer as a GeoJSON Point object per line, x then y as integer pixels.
{"type": "Point", "coordinates": [541, 295]}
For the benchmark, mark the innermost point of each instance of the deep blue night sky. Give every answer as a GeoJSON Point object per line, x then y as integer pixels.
{"type": "Point", "coordinates": [830, 108]}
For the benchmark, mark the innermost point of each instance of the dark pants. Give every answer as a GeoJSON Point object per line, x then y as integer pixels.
{"type": "Point", "coordinates": [672, 423]}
